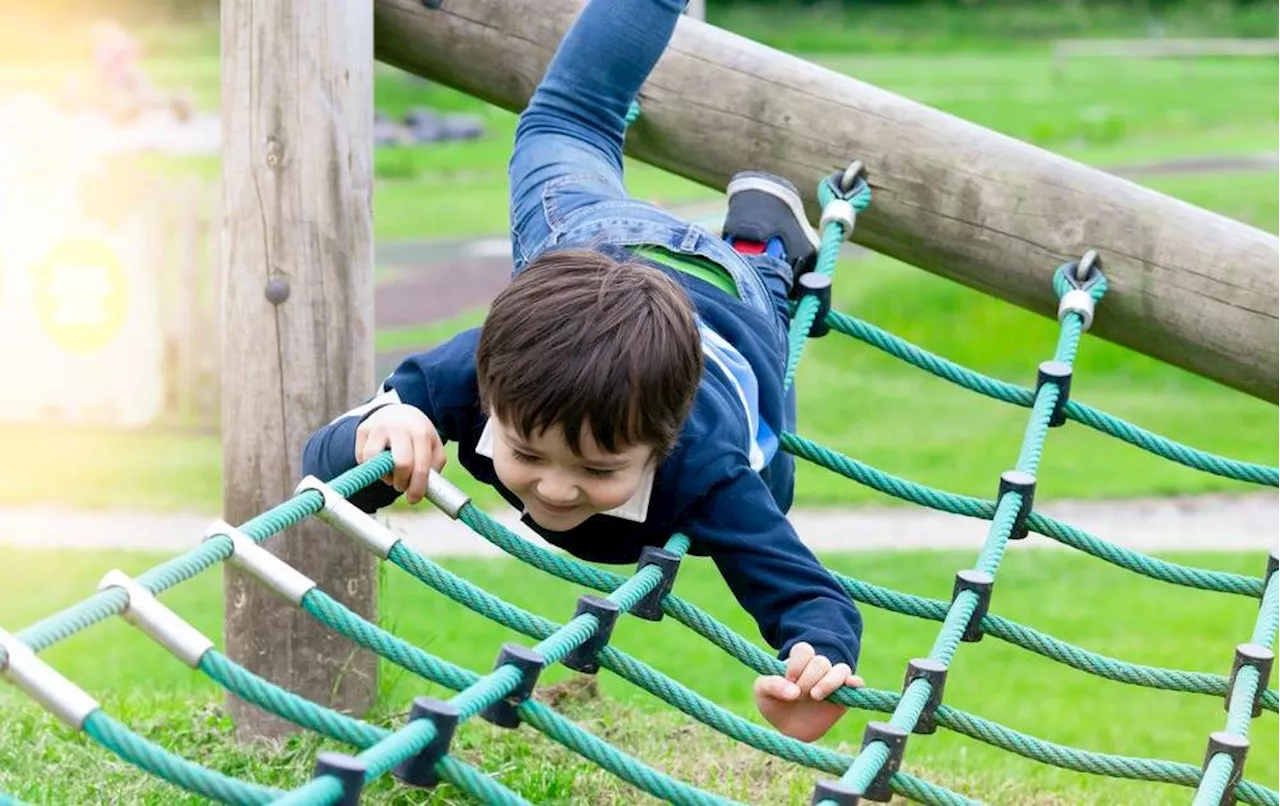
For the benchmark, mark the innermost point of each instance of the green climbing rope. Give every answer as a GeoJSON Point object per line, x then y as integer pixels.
{"type": "Point", "coordinates": [1037, 522]}
{"type": "Point", "coordinates": [751, 656]}
{"type": "Point", "coordinates": [646, 677]}
{"type": "Point", "coordinates": [1079, 412]}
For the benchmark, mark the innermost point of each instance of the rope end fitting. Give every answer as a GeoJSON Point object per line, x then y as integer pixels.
{"type": "Point", "coordinates": [285, 580]}
{"type": "Point", "coordinates": [145, 612]}
{"type": "Point", "coordinates": [349, 519]}
{"type": "Point", "coordinates": [42, 683]}
{"type": "Point", "coordinates": [446, 495]}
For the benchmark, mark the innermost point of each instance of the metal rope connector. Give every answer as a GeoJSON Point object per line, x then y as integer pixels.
{"type": "Point", "coordinates": [445, 494]}
{"type": "Point", "coordinates": [42, 683]}
{"type": "Point", "coordinates": [841, 212]}
{"type": "Point", "coordinates": [849, 179]}
{"type": "Point", "coordinates": [350, 519]}
{"type": "Point", "coordinates": [270, 570]}
{"type": "Point", "coordinates": [161, 624]}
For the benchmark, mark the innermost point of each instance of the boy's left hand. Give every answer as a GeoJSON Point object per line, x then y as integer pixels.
{"type": "Point", "coordinates": [796, 704]}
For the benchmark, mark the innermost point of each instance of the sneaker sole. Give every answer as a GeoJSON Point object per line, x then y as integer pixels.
{"type": "Point", "coordinates": [786, 193]}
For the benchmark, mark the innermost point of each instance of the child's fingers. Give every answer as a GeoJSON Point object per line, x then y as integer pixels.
{"type": "Point", "coordinates": [438, 457]}
{"type": "Point", "coordinates": [402, 453]}
{"type": "Point", "coordinates": [815, 671]}
{"type": "Point", "coordinates": [855, 681]}
{"type": "Point", "coordinates": [777, 688]}
{"type": "Point", "coordinates": [832, 680]}
{"type": "Point", "coordinates": [423, 454]}
{"type": "Point", "coordinates": [798, 659]}
{"type": "Point", "coordinates": [373, 443]}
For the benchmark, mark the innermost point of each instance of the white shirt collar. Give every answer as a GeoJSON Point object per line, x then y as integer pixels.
{"type": "Point", "coordinates": [635, 509]}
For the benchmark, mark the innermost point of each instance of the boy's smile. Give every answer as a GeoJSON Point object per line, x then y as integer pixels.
{"type": "Point", "coordinates": [561, 489]}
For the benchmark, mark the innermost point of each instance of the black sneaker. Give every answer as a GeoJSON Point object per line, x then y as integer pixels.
{"type": "Point", "coordinates": [763, 207]}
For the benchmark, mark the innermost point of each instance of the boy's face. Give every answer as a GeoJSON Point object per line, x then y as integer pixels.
{"type": "Point", "coordinates": [560, 489]}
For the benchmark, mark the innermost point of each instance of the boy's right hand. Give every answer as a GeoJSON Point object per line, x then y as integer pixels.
{"type": "Point", "coordinates": [415, 447]}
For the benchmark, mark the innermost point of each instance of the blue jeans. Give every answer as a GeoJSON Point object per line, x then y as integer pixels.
{"type": "Point", "coordinates": [566, 167]}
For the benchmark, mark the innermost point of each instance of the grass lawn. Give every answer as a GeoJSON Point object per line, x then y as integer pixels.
{"type": "Point", "coordinates": [1070, 596]}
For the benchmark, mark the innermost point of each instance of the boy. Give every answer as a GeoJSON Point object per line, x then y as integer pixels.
{"type": "Point", "coordinates": [628, 383]}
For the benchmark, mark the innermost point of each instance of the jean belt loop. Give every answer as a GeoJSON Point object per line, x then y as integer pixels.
{"type": "Point", "coordinates": [689, 243]}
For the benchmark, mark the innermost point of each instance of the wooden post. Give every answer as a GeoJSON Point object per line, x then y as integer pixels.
{"type": "Point", "coordinates": [1190, 287]}
{"type": "Point", "coordinates": [297, 122]}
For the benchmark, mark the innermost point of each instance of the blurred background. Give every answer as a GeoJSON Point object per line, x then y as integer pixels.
{"type": "Point", "coordinates": [109, 165]}
{"type": "Point", "coordinates": [109, 194]}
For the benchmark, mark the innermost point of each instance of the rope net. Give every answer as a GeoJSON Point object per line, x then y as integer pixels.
{"type": "Point", "coordinates": [417, 752]}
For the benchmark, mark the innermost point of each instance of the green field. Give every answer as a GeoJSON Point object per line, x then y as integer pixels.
{"type": "Point", "coordinates": [1075, 598]}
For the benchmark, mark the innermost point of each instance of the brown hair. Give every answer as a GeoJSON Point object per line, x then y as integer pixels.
{"type": "Point", "coordinates": [579, 338]}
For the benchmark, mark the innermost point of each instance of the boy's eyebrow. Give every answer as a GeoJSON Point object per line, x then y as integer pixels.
{"type": "Point", "coordinates": [607, 464]}
{"type": "Point", "coordinates": [517, 441]}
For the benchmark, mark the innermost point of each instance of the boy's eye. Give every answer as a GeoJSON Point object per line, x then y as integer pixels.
{"type": "Point", "coordinates": [600, 473]}
{"type": "Point", "coordinates": [521, 456]}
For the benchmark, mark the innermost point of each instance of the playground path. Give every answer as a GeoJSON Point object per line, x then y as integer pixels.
{"type": "Point", "coordinates": [1245, 522]}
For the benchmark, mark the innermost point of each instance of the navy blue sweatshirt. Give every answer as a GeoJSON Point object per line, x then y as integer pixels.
{"type": "Point", "coordinates": [705, 488]}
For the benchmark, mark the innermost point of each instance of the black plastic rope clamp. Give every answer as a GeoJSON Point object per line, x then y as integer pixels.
{"type": "Point", "coordinates": [583, 658]}
{"type": "Point", "coordinates": [813, 284]}
{"type": "Point", "coordinates": [933, 672]}
{"type": "Point", "coordinates": [836, 792]}
{"type": "Point", "coordinates": [1236, 748]}
{"type": "Point", "coordinates": [347, 769]}
{"type": "Point", "coordinates": [503, 712]}
{"type": "Point", "coordinates": [896, 738]}
{"type": "Point", "coordinates": [420, 770]}
{"type": "Point", "coordinates": [1272, 567]}
{"type": "Point", "coordinates": [1261, 659]}
{"type": "Point", "coordinates": [650, 607]}
{"type": "Point", "coordinates": [980, 582]}
{"type": "Point", "coordinates": [1024, 484]}
{"type": "Point", "coordinates": [1058, 374]}
{"type": "Point", "coordinates": [432, 3]}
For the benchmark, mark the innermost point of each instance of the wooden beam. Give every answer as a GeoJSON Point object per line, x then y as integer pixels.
{"type": "Point", "coordinates": [1190, 287]}
{"type": "Point", "coordinates": [297, 318]}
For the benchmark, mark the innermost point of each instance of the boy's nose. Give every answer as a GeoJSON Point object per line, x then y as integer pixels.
{"type": "Point", "coordinates": [556, 491]}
